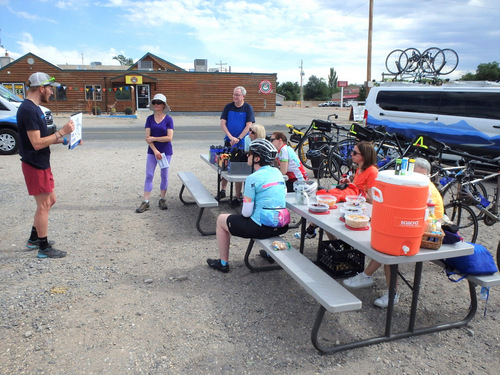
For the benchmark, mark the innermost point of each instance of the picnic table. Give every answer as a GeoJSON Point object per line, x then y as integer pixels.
{"type": "Point", "coordinates": [231, 178]}
{"type": "Point", "coordinates": [360, 240]}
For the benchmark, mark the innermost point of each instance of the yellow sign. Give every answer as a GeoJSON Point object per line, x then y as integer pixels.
{"type": "Point", "coordinates": [134, 80]}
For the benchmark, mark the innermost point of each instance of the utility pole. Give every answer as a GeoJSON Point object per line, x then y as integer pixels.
{"type": "Point", "coordinates": [301, 89]}
{"type": "Point", "coordinates": [369, 54]}
{"type": "Point", "coordinates": [221, 63]}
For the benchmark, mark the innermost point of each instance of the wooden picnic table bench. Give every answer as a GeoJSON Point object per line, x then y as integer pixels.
{"type": "Point", "coordinates": [201, 195]}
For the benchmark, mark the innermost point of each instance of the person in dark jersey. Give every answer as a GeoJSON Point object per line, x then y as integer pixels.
{"type": "Point", "coordinates": [35, 159]}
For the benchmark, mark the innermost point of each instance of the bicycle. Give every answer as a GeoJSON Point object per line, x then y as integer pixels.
{"type": "Point", "coordinates": [467, 200]}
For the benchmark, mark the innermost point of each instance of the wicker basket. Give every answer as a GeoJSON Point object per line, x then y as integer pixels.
{"type": "Point", "coordinates": [432, 241]}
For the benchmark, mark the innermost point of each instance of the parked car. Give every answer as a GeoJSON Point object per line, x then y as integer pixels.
{"type": "Point", "coordinates": [278, 104]}
{"type": "Point", "coordinates": [463, 115]}
{"type": "Point", "coordinates": [9, 136]}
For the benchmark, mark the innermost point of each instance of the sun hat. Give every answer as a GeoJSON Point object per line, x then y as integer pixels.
{"type": "Point", "coordinates": [42, 79]}
{"type": "Point", "coordinates": [161, 98]}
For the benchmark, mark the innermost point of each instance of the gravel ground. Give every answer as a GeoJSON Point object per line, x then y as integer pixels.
{"type": "Point", "coordinates": [135, 296]}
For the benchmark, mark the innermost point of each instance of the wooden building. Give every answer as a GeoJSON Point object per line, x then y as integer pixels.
{"type": "Point", "coordinates": [132, 87]}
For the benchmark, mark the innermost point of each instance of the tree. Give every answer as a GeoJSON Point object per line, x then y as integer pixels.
{"type": "Point", "coordinates": [363, 93]}
{"type": "Point", "coordinates": [484, 72]}
{"type": "Point", "coordinates": [332, 81]}
{"type": "Point", "coordinates": [316, 89]}
{"type": "Point", "coordinates": [124, 60]}
{"type": "Point", "coordinates": [291, 90]}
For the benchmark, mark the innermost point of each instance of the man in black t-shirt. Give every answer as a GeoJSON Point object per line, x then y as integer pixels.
{"type": "Point", "coordinates": [35, 159]}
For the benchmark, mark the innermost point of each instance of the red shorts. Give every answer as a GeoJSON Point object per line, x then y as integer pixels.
{"type": "Point", "coordinates": [38, 181]}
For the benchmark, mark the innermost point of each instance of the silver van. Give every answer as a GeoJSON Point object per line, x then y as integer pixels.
{"type": "Point", "coordinates": [463, 115]}
{"type": "Point", "coordinates": [9, 137]}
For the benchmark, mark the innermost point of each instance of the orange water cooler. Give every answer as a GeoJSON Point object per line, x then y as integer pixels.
{"type": "Point", "coordinates": [398, 212]}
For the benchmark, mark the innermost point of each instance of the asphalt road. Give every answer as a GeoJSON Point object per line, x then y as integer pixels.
{"type": "Point", "coordinates": [130, 133]}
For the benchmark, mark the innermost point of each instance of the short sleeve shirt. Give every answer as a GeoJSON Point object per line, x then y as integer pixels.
{"type": "Point", "coordinates": [266, 188]}
{"type": "Point", "coordinates": [236, 119]}
{"type": "Point", "coordinates": [366, 179]}
{"type": "Point", "coordinates": [31, 117]}
{"type": "Point", "coordinates": [295, 170]}
{"type": "Point", "coordinates": [160, 130]}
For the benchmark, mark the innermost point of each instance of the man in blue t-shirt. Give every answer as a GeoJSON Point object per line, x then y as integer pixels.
{"type": "Point", "coordinates": [235, 121]}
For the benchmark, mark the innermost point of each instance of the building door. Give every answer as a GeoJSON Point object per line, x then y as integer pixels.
{"type": "Point", "coordinates": [142, 96]}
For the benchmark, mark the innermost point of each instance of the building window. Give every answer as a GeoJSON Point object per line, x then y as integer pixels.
{"type": "Point", "coordinates": [145, 65]}
{"type": "Point", "coordinates": [60, 93]}
{"type": "Point", "coordinates": [122, 93]}
{"type": "Point", "coordinates": [93, 93]}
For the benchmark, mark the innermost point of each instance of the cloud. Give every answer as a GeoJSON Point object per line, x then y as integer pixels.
{"type": "Point", "coordinates": [30, 16]}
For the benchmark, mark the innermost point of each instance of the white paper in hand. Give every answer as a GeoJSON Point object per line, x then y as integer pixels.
{"type": "Point", "coordinates": [76, 135]}
{"type": "Point", "coordinates": [163, 163]}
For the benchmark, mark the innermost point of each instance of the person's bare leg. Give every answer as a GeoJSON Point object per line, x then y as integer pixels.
{"type": "Point", "coordinates": [223, 237]}
{"type": "Point", "coordinates": [41, 220]}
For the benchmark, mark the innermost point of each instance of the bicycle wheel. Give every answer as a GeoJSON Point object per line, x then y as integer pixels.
{"type": "Point", "coordinates": [498, 255]}
{"type": "Point", "coordinates": [327, 180]}
{"type": "Point", "coordinates": [313, 141]}
{"type": "Point", "coordinates": [409, 60]}
{"type": "Point", "coordinates": [392, 61]}
{"type": "Point", "coordinates": [448, 60]}
{"type": "Point", "coordinates": [386, 153]}
{"type": "Point", "coordinates": [341, 153]}
{"type": "Point", "coordinates": [463, 216]}
{"type": "Point", "coordinates": [427, 59]}
{"type": "Point", "coordinates": [477, 190]}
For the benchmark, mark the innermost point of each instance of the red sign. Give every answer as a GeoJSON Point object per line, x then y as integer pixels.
{"type": "Point", "coordinates": [265, 87]}
{"type": "Point", "coordinates": [342, 83]}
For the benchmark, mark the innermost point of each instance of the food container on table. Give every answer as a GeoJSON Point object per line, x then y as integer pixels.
{"type": "Point", "coordinates": [318, 207]}
{"type": "Point", "coordinates": [355, 200]}
{"type": "Point", "coordinates": [329, 200]}
{"type": "Point", "coordinates": [357, 221]}
{"type": "Point", "coordinates": [350, 210]}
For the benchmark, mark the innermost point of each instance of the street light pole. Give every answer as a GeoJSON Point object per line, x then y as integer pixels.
{"type": "Point", "coordinates": [369, 57]}
{"type": "Point", "coordinates": [301, 90]}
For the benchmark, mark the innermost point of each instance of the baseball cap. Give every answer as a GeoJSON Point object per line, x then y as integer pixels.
{"type": "Point", "coordinates": [42, 79]}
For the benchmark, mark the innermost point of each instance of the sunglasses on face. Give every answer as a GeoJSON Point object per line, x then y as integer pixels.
{"type": "Point", "coordinates": [252, 131]}
{"type": "Point", "coordinates": [272, 139]}
{"type": "Point", "coordinates": [354, 153]}
{"type": "Point", "coordinates": [155, 102]}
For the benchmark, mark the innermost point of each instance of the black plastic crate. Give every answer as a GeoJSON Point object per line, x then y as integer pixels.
{"type": "Point", "coordinates": [340, 259]}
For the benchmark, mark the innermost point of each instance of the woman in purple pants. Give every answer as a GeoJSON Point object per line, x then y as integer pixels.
{"type": "Point", "coordinates": [159, 133]}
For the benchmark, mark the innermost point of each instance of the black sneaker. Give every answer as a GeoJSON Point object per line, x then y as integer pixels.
{"type": "Point", "coordinates": [236, 202]}
{"type": "Point", "coordinates": [142, 208]}
{"type": "Point", "coordinates": [34, 245]}
{"type": "Point", "coordinates": [162, 203]}
{"type": "Point", "coordinates": [50, 252]}
{"type": "Point", "coordinates": [266, 256]}
{"type": "Point", "coordinates": [222, 194]}
{"type": "Point", "coordinates": [216, 263]}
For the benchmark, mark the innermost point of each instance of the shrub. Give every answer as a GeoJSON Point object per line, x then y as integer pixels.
{"type": "Point", "coordinates": [129, 110]}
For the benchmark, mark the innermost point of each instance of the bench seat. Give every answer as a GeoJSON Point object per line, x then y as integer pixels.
{"type": "Point", "coordinates": [481, 280]}
{"type": "Point", "coordinates": [200, 194]}
{"type": "Point", "coordinates": [324, 289]}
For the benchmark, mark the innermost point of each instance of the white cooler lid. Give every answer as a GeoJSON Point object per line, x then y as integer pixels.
{"type": "Point", "coordinates": [415, 179]}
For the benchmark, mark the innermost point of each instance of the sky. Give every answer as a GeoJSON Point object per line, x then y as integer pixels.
{"type": "Point", "coordinates": [252, 36]}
